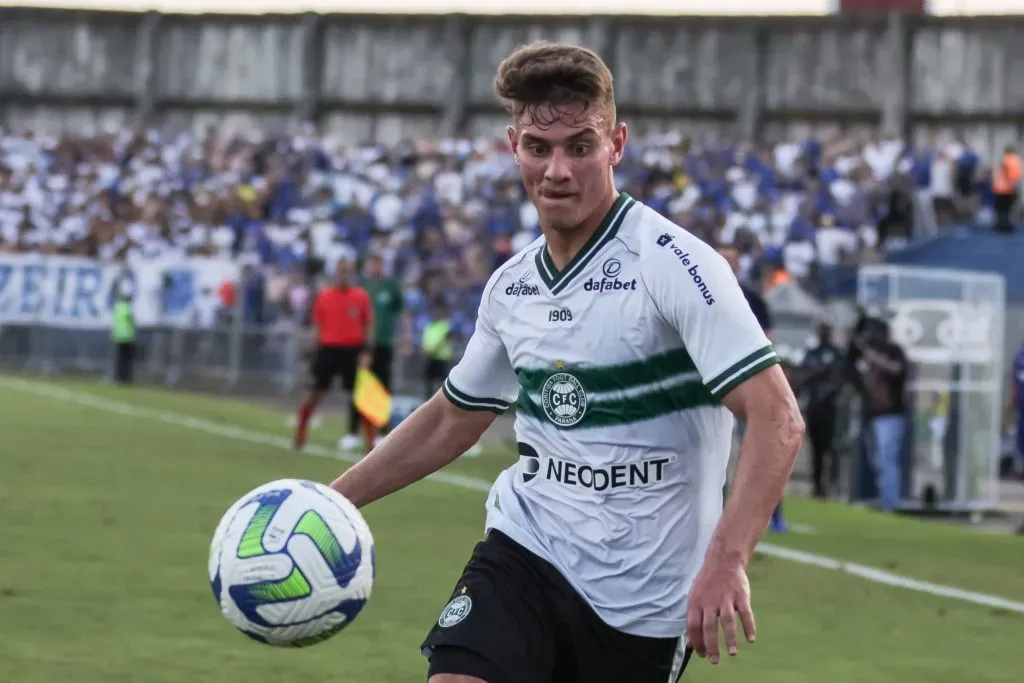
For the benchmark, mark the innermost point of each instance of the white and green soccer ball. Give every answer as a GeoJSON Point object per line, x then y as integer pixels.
{"type": "Point", "coordinates": [292, 563]}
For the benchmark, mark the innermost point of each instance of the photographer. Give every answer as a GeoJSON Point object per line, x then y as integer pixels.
{"type": "Point", "coordinates": [881, 369]}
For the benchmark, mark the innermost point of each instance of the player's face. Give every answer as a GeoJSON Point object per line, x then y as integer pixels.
{"type": "Point", "coordinates": [566, 156]}
{"type": "Point", "coordinates": [374, 268]}
{"type": "Point", "coordinates": [343, 272]}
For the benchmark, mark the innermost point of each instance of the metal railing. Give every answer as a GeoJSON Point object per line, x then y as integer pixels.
{"type": "Point", "coordinates": [228, 357]}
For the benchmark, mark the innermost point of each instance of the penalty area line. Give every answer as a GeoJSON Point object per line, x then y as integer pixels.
{"type": "Point", "coordinates": [239, 434]}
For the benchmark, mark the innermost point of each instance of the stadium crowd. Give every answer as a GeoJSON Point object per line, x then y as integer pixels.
{"type": "Point", "coordinates": [444, 213]}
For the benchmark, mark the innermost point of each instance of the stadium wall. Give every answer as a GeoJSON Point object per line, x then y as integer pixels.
{"type": "Point", "coordinates": [388, 76]}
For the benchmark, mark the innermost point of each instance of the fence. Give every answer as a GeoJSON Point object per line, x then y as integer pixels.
{"type": "Point", "coordinates": [388, 76]}
{"type": "Point", "coordinates": [269, 363]}
{"type": "Point", "coordinates": [55, 318]}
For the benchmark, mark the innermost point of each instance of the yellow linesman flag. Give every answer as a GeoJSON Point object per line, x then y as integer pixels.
{"type": "Point", "coordinates": [372, 399]}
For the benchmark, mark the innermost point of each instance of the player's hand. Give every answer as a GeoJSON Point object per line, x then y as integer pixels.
{"type": "Point", "coordinates": [720, 594]}
{"type": "Point", "coordinates": [365, 359]}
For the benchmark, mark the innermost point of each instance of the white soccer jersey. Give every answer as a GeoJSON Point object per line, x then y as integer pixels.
{"type": "Point", "coordinates": [616, 366]}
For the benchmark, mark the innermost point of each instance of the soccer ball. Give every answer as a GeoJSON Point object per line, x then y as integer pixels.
{"type": "Point", "coordinates": [292, 563]}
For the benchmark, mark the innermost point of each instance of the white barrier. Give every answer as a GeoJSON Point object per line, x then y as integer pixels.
{"type": "Point", "coordinates": [78, 293]}
{"type": "Point", "coordinates": [951, 325]}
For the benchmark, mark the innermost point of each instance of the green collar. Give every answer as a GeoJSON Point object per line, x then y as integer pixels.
{"type": "Point", "coordinates": [556, 280]}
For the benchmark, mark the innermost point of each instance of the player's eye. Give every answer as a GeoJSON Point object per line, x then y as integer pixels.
{"type": "Point", "coordinates": [537, 150]}
{"type": "Point", "coordinates": [580, 149]}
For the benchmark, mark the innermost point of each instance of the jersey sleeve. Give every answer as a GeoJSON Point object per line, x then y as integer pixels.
{"type": "Point", "coordinates": [697, 293]}
{"type": "Point", "coordinates": [484, 378]}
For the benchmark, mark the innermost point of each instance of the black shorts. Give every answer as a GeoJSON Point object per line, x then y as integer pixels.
{"type": "Point", "coordinates": [382, 360]}
{"type": "Point", "coordinates": [335, 361]}
{"type": "Point", "coordinates": [513, 618]}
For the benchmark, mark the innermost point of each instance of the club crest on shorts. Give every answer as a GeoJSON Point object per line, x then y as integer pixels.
{"type": "Point", "coordinates": [563, 399]}
{"type": "Point", "coordinates": [455, 611]}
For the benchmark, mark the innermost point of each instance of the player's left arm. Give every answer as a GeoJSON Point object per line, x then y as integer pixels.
{"type": "Point", "coordinates": [697, 293]}
{"type": "Point", "coordinates": [770, 445]}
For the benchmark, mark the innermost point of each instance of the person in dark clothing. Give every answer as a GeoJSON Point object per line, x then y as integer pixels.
{"type": "Point", "coordinates": [882, 368]}
{"type": "Point", "coordinates": [898, 213]}
{"type": "Point", "coordinates": [1006, 179]}
{"type": "Point", "coordinates": [820, 383]}
{"type": "Point", "coordinates": [388, 306]}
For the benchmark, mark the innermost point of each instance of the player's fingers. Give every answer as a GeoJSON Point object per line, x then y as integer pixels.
{"type": "Point", "coordinates": [694, 635]}
{"type": "Point", "coordinates": [747, 619]}
{"type": "Point", "coordinates": [728, 618]}
{"type": "Point", "coordinates": [710, 632]}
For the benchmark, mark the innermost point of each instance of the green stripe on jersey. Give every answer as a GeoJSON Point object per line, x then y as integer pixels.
{"type": "Point", "coordinates": [556, 280]}
{"type": "Point", "coordinates": [741, 371]}
{"type": "Point", "coordinates": [605, 378]}
{"type": "Point", "coordinates": [558, 404]}
{"type": "Point", "coordinates": [463, 400]}
{"type": "Point", "coordinates": [581, 396]}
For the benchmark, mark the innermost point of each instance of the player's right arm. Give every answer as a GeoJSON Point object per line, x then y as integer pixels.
{"type": "Point", "coordinates": [482, 386]}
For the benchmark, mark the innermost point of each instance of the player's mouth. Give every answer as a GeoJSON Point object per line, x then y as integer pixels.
{"type": "Point", "coordinates": [556, 195]}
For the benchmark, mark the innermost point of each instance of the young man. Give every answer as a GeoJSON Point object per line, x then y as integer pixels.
{"type": "Point", "coordinates": [388, 304]}
{"type": "Point", "coordinates": [820, 381]}
{"type": "Point", "coordinates": [343, 317]}
{"type": "Point", "coordinates": [627, 346]}
{"type": "Point", "coordinates": [884, 371]}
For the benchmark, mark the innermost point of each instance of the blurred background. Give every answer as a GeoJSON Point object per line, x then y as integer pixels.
{"type": "Point", "coordinates": [859, 162]}
{"type": "Point", "coordinates": [179, 178]}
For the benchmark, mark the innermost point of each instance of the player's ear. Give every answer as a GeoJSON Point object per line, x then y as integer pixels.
{"type": "Point", "coordinates": [619, 135]}
{"type": "Point", "coordinates": [513, 137]}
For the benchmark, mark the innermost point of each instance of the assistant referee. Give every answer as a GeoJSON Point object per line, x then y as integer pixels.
{"type": "Point", "coordinates": [343, 317]}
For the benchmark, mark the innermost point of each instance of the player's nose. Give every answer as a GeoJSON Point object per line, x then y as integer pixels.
{"type": "Point", "coordinates": [558, 169]}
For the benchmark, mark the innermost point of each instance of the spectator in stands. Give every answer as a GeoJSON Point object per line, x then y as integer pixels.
{"type": "Point", "coordinates": [966, 176]}
{"type": "Point", "coordinates": [1006, 179]}
{"type": "Point", "coordinates": [896, 224]}
{"type": "Point", "coordinates": [882, 372]}
{"type": "Point", "coordinates": [941, 185]}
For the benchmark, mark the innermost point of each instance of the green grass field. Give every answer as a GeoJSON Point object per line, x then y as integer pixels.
{"type": "Point", "coordinates": [106, 519]}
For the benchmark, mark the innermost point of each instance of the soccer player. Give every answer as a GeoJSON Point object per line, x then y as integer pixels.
{"type": "Point", "coordinates": [343, 316]}
{"type": "Point", "coordinates": [388, 305]}
{"type": "Point", "coordinates": [627, 347]}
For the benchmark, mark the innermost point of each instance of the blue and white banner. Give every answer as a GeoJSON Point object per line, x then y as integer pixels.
{"type": "Point", "coordinates": [65, 291]}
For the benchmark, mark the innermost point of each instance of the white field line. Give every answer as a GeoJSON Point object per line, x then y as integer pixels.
{"type": "Point", "coordinates": [196, 424]}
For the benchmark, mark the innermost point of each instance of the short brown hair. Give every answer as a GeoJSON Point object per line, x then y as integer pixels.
{"type": "Point", "coordinates": [558, 74]}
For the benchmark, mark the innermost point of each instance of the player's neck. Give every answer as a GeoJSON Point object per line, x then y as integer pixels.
{"type": "Point", "coordinates": [562, 247]}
